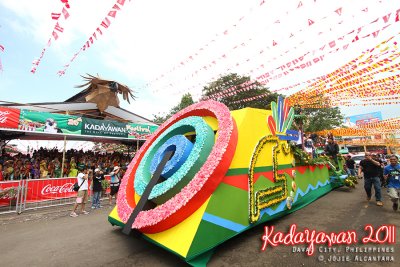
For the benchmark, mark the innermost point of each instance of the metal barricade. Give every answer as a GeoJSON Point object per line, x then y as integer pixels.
{"type": "Point", "coordinates": [11, 196]}
{"type": "Point", "coordinates": [31, 194]}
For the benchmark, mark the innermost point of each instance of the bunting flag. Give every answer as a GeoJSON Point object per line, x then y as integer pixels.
{"type": "Point", "coordinates": [286, 69]}
{"type": "Point", "coordinates": [388, 126]}
{"type": "Point", "coordinates": [104, 24]}
{"type": "Point", "coordinates": [57, 28]}
{"type": "Point", "coordinates": [1, 48]}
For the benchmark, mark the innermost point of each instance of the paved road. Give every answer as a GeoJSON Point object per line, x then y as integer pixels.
{"type": "Point", "coordinates": [52, 238]}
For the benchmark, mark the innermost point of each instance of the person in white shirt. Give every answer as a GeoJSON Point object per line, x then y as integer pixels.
{"type": "Point", "coordinates": [81, 199]}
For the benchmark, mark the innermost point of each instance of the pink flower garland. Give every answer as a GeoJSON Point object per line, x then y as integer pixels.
{"type": "Point", "coordinates": [176, 209]}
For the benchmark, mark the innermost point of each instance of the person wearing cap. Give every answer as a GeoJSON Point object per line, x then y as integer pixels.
{"type": "Point", "coordinates": [114, 183]}
{"type": "Point", "coordinates": [97, 188]}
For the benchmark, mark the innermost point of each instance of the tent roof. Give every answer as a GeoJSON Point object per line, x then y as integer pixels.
{"type": "Point", "coordinates": [87, 109]}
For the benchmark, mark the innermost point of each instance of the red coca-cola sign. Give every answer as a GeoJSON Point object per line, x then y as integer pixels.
{"type": "Point", "coordinates": [47, 189]}
{"type": "Point", "coordinates": [57, 189]}
{"type": "Point", "coordinates": [9, 117]}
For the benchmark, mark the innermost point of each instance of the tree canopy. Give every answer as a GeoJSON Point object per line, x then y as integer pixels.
{"type": "Point", "coordinates": [186, 101]}
{"type": "Point", "coordinates": [234, 80]}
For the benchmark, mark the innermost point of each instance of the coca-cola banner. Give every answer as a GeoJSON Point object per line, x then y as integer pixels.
{"type": "Point", "coordinates": [9, 117]}
{"type": "Point", "coordinates": [47, 189]}
{"type": "Point", "coordinates": [8, 192]}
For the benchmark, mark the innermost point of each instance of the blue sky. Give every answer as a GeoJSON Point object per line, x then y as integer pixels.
{"type": "Point", "coordinates": [149, 38]}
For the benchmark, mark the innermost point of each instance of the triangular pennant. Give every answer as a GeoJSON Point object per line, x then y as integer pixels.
{"type": "Point", "coordinates": [98, 29]}
{"type": "Point", "coordinates": [386, 18]}
{"type": "Point", "coordinates": [121, 2]}
{"type": "Point", "coordinates": [397, 15]}
{"type": "Point", "coordinates": [1, 48]}
{"type": "Point", "coordinates": [116, 7]}
{"type": "Point", "coordinates": [58, 27]}
{"type": "Point", "coordinates": [65, 13]}
{"type": "Point", "coordinates": [274, 43]}
{"type": "Point", "coordinates": [91, 39]}
{"type": "Point", "coordinates": [339, 11]}
{"type": "Point", "coordinates": [106, 23]}
{"type": "Point", "coordinates": [55, 16]}
{"type": "Point", "coordinates": [112, 13]}
{"type": "Point", "coordinates": [55, 35]}
{"type": "Point", "coordinates": [94, 35]}
{"type": "Point", "coordinates": [300, 4]}
{"type": "Point", "coordinates": [355, 39]}
{"type": "Point", "coordinates": [332, 44]}
{"type": "Point", "coordinates": [310, 22]}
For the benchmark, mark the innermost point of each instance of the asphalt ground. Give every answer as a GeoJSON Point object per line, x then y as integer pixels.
{"type": "Point", "coordinates": [49, 237]}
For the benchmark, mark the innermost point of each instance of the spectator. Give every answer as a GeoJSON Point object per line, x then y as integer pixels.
{"type": "Point", "coordinates": [392, 176]}
{"type": "Point", "coordinates": [97, 188]}
{"type": "Point", "coordinates": [81, 198]}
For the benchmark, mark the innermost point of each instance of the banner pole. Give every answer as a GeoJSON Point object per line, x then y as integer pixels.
{"type": "Point", "coordinates": [63, 157]}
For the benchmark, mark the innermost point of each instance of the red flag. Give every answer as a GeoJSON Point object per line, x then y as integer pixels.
{"type": "Point", "coordinates": [355, 39]}
{"type": "Point", "coordinates": [274, 43]}
{"type": "Point", "coordinates": [94, 35]}
{"type": "Point", "coordinates": [65, 13]}
{"type": "Point", "coordinates": [121, 2]}
{"type": "Point", "coordinates": [310, 22]}
{"type": "Point", "coordinates": [112, 13]}
{"type": "Point", "coordinates": [386, 18]}
{"type": "Point", "coordinates": [58, 27]}
{"type": "Point", "coordinates": [339, 11]}
{"type": "Point", "coordinates": [300, 4]}
{"type": "Point", "coordinates": [55, 16]}
{"type": "Point", "coordinates": [91, 39]}
{"type": "Point", "coordinates": [98, 29]}
{"type": "Point", "coordinates": [106, 23]}
{"type": "Point", "coordinates": [397, 15]}
{"type": "Point", "coordinates": [66, 3]}
{"type": "Point", "coordinates": [332, 44]}
{"type": "Point", "coordinates": [55, 35]}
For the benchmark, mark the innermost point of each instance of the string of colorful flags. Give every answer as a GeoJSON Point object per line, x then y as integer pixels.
{"type": "Point", "coordinates": [267, 77]}
{"type": "Point", "coordinates": [388, 126]}
{"type": "Point", "coordinates": [56, 31]}
{"type": "Point", "coordinates": [105, 23]}
{"type": "Point", "coordinates": [285, 69]}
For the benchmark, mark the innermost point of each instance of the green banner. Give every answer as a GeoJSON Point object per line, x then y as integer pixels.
{"type": "Point", "coordinates": [37, 121]}
{"type": "Point", "coordinates": [140, 131]}
{"type": "Point", "coordinates": [104, 128]}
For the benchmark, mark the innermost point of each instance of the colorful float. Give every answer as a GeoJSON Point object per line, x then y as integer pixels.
{"type": "Point", "coordinates": [229, 172]}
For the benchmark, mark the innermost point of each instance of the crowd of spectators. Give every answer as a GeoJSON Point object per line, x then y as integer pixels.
{"type": "Point", "coordinates": [47, 163]}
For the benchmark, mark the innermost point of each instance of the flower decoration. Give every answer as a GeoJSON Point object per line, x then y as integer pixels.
{"type": "Point", "coordinates": [200, 187]}
{"type": "Point", "coordinates": [266, 197]}
{"type": "Point", "coordinates": [181, 147]}
{"type": "Point", "coordinates": [188, 166]}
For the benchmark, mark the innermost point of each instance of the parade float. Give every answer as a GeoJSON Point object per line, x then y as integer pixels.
{"type": "Point", "coordinates": [230, 171]}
